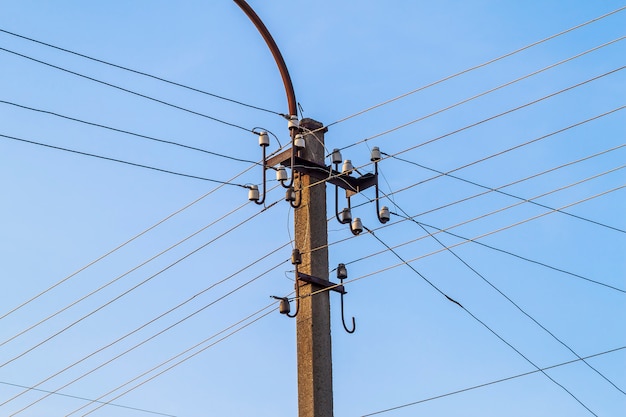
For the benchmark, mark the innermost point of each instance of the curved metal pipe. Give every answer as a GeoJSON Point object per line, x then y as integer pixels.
{"type": "Point", "coordinates": [280, 62]}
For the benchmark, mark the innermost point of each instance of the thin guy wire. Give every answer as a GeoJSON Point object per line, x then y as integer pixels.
{"type": "Point", "coordinates": [106, 158]}
{"type": "Point", "coordinates": [385, 269]}
{"type": "Point", "coordinates": [481, 276]}
{"type": "Point", "coordinates": [492, 382]}
{"type": "Point", "coordinates": [482, 323]}
{"type": "Point", "coordinates": [489, 118]}
{"type": "Point", "coordinates": [182, 360]}
{"type": "Point", "coordinates": [479, 66]}
{"type": "Point", "coordinates": [122, 245]}
{"type": "Point", "coordinates": [131, 289]}
{"type": "Point", "coordinates": [128, 91]}
{"type": "Point", "coordinates": [60, 394]}
{"type": "Point", "coordinates": [141, 73]}
{"type": "Point", "coordinates": [109, 361]}
{"type": "Point", "coordinates": [128, 132]}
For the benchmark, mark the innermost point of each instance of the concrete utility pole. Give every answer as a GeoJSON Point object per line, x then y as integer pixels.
{"type": "Point", "coordinates": [315, 386]}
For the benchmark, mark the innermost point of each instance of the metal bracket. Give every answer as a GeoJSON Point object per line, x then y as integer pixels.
{"type": "Point", "coordinates": [321, 283]}
{"type": "Point", "coordinates": [351, 184]}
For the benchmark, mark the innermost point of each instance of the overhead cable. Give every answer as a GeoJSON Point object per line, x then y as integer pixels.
{"type": "Point", "coordinates": [106, 158]}
{"type": "Point", "coordinates": [140, 73]}
{"type": "Point", "coordinates": [200, 348]}
{"type": "Point", "coordinates": [112, 251]}
{"type": "Point", "coordinates": [127, 90]}
{"type": "Point", "coordinates": [517, 306]}
{"type": "Point", "coordinates": [481, 236]}
{"type": "Point", "coordinates": [497, 381]}
{"type": "Point", "coordinates": [126, 292]}
{"type": "Point", "coordinates": [143, 342]}
{"type": "Point", "coordinates": [499, 191]}
{"type": "Point", "coordinates": [481, 322]}
{"type": "Point", "coordinates": [76, 397]}
{"type": "Point", "coordinates": [479, 66]}
{"type": "Point", "coordinates": [386, 132]}
{"type": "Point", "coordinates": [129, 133]}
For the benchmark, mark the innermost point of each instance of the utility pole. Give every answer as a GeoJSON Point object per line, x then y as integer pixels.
{"type": "Point", "coordinates": [315, 380]}
{"type": "Point", "coordinates": [315, 386]}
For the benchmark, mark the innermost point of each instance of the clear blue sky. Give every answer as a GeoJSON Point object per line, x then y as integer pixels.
{"type": "Point", "coordinates": [559, 258]}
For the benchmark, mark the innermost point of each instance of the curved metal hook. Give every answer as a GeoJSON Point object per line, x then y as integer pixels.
{"type": "Point", "coordinates": [382, 214]}
{"type": "Point", "coordinates": [343, 321]}
{"type": "Point", "coordinates": [262, 200]}
{"type": "Point", "coordinates": [297, 285]}
{"type": "Point", "coordinates": [298, 197]}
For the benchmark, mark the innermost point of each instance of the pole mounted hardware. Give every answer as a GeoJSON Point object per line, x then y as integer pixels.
{"type": "Point", "coordinates": [302, 278]}
{"type": "Point", "coordinates": [368, 180]}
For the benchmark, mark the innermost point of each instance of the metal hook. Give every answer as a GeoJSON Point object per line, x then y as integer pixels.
{"type": "Point", "coordinates": [294, 196]}
{"type": "Point", "coordinates": [342, 273]}
{"type": "Point", "coordinates": [381, 213]}
{"type": "Point", "coordinates": [263, 142]}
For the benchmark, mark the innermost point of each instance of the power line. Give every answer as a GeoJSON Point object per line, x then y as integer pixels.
{"type": "Point", "coordinates": [511, 253]}
{"type": "Point", "coordinates": [168, 217]}
{"type": "Point", "coordinates": [509, 194]}
{"type": "Point", "coordinates": [493, 382]}
{"type": "Point", "coordinates": [482, 323]}
{"type": "Point", "coordinates": [127, 90]}
{"type": "Point", "coordinates": [141, 73]}
{"type": "Point", "coordinates": [86, 399]}
{"type": "Point", "coordinates": [106, 158]}
{"type": "Point", "coordinates": [182, 360]}
{"type": "Point", "coordinates": [479, 66]}
{"type": "Point", "coordinates": [154, 335]}
{"type": "Point", "coordinates": [501, 229]}
{"type": "Point", "coordinates": [577, 124]}
{"type": "Point", "coordinates": [129, 133]}
{"type": "Point", "coordinates": [481, 276]}
{"type": "Point", "coordinates": [487, 119]}
{"type": "Point", "coordinates": [132, 288]}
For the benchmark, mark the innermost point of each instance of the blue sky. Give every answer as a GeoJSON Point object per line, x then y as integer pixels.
{"type": "Point", "coordinates": [556, 137]}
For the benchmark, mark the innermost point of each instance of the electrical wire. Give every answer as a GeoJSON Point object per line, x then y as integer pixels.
{"type": "Point", "coordinates": [106, 158]}
{"type": "Point", "coordinates": [122, 275]}
{"type": "Point", "coordinates": [202, 349]}
{"type": "Point", "coordinates": [112, 251]}
{"type": "Point", "coordinates": [141, 73]}
{"type": "Point", "coordinates": [481, 276]}
{"type": "Point", "coordinates": [607, 113]}
{"type": "Point", "coordinates": [132, 288]}
{"type": "Point", "coordinates": [126, 90]}
{"type": "Point", "coordinates": [481, 322]}
{"type": "Point", "coordinates": [497, 381]}
{"type": "Point", "coordinates": [484, 64]}
{"type": "Point", "coordinates": [499, 191]}
{"type": "Point", "coordinates": [481, 236]}
{"type": "Point", "coordinates": [511, 254]}
{"type": "Point", "coordinates": [87, 399]}
{"type": "Point", "coordinates": [232, 158]}
{"type": "Point", "coordinates": [386, 132]}
{"type": "Point", "coordinates": [109, 361]}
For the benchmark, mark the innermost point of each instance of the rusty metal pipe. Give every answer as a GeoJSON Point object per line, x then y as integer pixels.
{"type": "Point", "coordinates": [280, 62]}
